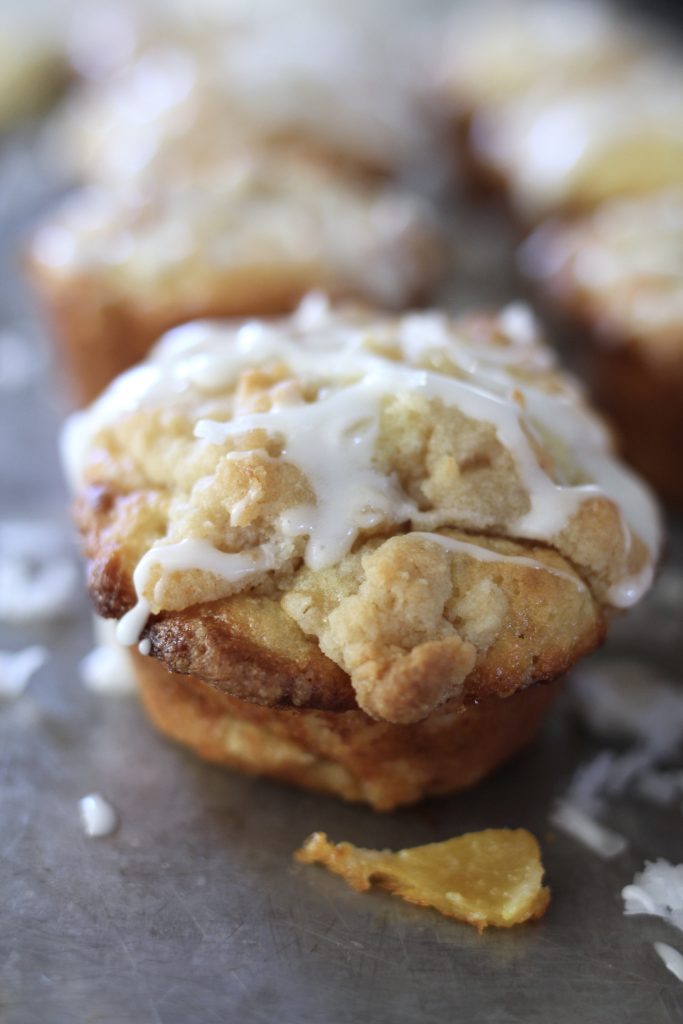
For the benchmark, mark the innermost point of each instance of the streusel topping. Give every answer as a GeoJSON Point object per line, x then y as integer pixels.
{"type": "Point", "coordinates": [359, 469]}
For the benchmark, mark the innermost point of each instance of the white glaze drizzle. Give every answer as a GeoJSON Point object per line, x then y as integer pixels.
{"type": "Point", "coordinates": [483, 554]}
{"type": "Point", "coordinates": [188, 554]}
{"type": "Point", "coordinates": [354, 369]}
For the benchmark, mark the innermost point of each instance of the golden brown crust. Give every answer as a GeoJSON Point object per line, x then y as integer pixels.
{"type": "Point", "coordinates": [346, 754]}
{"type": "Point", "coordinates": [249, 647]}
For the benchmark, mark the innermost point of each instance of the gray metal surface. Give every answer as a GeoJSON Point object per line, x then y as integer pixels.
{"type": "Point", "coordinates": [194, 910]}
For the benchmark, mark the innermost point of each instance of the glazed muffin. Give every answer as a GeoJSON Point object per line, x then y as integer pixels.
{"type": "Point", "coordinates": [347, 92]}
{"type": "Point", "coordinates": [496, 49]}
{"type": "Point", "coordinates": [618, 273]}
{"type": "Point", "coordinates": [563, 146]}
{"type": "Point", "coordinates": [354, 549]}
{"type": "Point", "coordinates": [249, 237]}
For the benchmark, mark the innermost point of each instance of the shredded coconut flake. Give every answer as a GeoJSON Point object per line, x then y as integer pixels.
{"type": "Point", "coordinates": [660, 787]}
{"type": "Point", "coordinates": [38, 579]}
{"type": "Point", "coordinates": [574, 822]}
{"type": "Point", "coordinates": [672, 959]}
{"type": "Point", "coordinates": [623, 698]}
{"type": "Point", "coordinates": [97, 816]}
{"type": "Point", "coordinates": [657, 890]}
{"type": "Point", "coordinates": [17, 668]}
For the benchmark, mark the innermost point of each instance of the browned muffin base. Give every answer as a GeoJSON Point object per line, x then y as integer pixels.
{"type": "Point", "coordinates": [638, 389]}
{"type": "Point", "coordinates": [346, 754]}
{"type": "Point", "coordinates": [644, 400]}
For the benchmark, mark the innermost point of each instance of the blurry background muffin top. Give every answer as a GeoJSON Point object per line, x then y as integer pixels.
{"type": "Point", "coordinates": [349, 89]}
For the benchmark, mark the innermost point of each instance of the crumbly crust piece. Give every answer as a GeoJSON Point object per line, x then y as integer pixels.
{"type": "Point", "coordinates": [485, 878]}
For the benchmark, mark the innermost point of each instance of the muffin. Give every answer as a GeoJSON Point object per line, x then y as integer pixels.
{"type": "Point", "coordinates": [496, 49]}
{"type": "Point", "coordinates": [347, 92]}
{"type": "Point", "coordinates": [566, 146]}
{"type": "Point", "coordinates": [251, 236]}
{"type": "Point", "coordinates": [354, 549]}
{"type": "Point", "coordinates": [617, 273]}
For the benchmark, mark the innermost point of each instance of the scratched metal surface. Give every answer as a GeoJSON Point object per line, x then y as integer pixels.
{"type": "Point", "coordinates": [194, 911]}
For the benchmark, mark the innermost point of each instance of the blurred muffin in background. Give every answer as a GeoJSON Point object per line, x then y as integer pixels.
{"type": "Point", "coordinates": [617, 273]}
{"type": "Point", "coordinates": [492, 50]}
{"type": "Point", "coordinates": [103, 37]}
{"type": "Point", "coordinates": [349, 91]}
{"type": "Point", "coordinates": [567, 146]}
{"type": "Point", "coordinates": [247, 236]}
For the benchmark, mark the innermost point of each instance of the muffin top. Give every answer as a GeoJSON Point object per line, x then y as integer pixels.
{"type": "Point", "coordinates": [568, 145]}
{"type": "Point", "coordinates": [245, 213]}
{"type": "Point", "coordinates": [423, 499]}
{"type": "Point", "coordinates": [310, 79]}
{"type": "Point", "coordinates": [621, 267]}
{"type": "Point", "coordinates": [494, 49]}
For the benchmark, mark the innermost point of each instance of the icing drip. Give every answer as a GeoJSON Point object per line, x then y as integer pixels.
{"type": "Point", "coordinates": [187, 555]}
{"type": "Point", "coordinates": [487, 555]}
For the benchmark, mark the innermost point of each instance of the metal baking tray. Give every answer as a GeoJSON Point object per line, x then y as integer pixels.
{"type": "Point", "coordinates": [194, 912]}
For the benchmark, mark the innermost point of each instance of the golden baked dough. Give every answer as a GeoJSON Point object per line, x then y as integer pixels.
{"type": "Point", "coordinates": [484, 878]}
{"type": "Point", "coordinates": [250, 236]}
